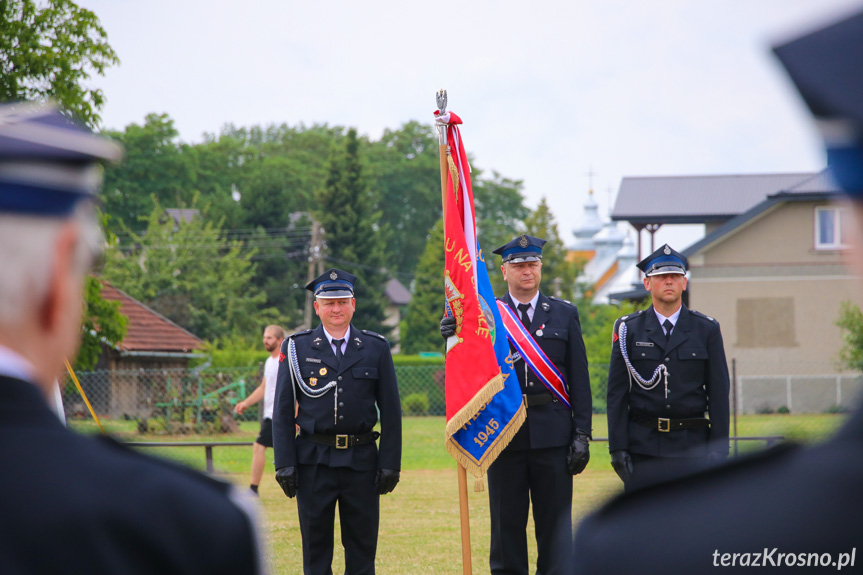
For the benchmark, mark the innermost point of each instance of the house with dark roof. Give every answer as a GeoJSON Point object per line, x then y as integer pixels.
{"type": "Point", "coordinates": [770, 270]}
{"type": "Point", "coordinates": [153, 344]}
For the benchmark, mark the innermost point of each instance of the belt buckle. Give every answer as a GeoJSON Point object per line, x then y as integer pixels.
{"type": "Point", "coordinates": [666, 422]}
{"type": "Point", "coordinates": [341, 441]}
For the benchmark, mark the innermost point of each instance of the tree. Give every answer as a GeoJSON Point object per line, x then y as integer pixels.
{"type": "Point", "coordinates": [500, 214]}
{"type": "Point", "coordinates": [356, 241]}
{"type": "Point", "coordinates": [597, 323]}
{"type": "Point", "coordinates": [102, 322]}
{"type": "Point", "coordinates": [851, 321]}
{"type": "Point", "coordinates": [558, 274]}
{"type": "Point", "coordinates": [50, 52]}
{"type": "Point", "coordinates": [192, 275]}
{"type": "Point", "coordinates": [421, 327]}
{"type": "Point", "coordinates": [157, 166]}
{"type": "Point", "coordinates": [406, 168]}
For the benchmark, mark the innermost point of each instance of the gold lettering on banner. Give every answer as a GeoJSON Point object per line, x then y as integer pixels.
{"type": "Point", "coordinates": [463, 259]}
{"type": "Point", "coordinates": [449, 245]}
{"type": "Point", "coordinates": [482, 437]}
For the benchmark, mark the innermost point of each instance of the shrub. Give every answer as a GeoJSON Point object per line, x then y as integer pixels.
{"type": "Point", "coordinates": [783, 409]}
{"type": "Point", "coordinates": [416, 404]}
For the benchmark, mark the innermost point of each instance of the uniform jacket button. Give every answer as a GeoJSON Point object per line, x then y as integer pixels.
{"type": "Point", "coordinates": [530, 383]}
{"type": "Point", "coordinates": [341, 390]}
{"type": "Point", "coordinates": [341, 417]}
{"type": "Point", "coordinates": [667, 407]}
{"type": "Point", "coordinates": [340, 378]}
{"type": "Point", "coordinates": [667, 359]}
{"type": "Point", "coordinates": [341, 404]}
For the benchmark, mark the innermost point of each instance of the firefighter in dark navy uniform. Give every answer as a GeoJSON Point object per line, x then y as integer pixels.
{"type": "Point", "coordinates": [537, 466]}
{"type": "Point", "coordinates": [670, 374]}
{"type": "Point", "coordinates": [339, 377]}
{"type": "Point", "coordinates": [71, 503]}
{"type": "Point", "coordinates": [791, 509]}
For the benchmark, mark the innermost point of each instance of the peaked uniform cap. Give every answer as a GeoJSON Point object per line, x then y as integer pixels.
{"type": "Point", "coordinates": [665, 260]}
{"type": "Point", "coordinates": [333, 283]}
{"type": "Point", "coordinates": [524, 248]}
{"type": "Point", "coordinates": [48, 162]}
{"type": "Point", "coordinates": [825, 65]}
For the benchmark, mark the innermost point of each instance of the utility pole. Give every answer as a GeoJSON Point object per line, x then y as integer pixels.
{"type": "Point", "coordinates": [314, 270]}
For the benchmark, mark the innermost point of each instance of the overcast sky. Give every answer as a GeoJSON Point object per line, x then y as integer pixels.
{"type": "Point", "coordinates": [547, 90]}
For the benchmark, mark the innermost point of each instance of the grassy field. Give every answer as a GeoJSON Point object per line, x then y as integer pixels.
{"type": "Point", "coordinates": [419, 531]}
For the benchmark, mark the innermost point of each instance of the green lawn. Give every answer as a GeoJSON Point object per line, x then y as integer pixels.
{"type": "Point", "coordinates": [419, 531]}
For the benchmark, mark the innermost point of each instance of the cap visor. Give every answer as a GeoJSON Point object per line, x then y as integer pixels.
{"type": "Point", "coordinates": [666, 270]}
{"type": "Point", "coordinates": [334, 294]}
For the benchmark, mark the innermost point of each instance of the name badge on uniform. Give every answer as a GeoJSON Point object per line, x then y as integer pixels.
{"type": "Point", "coordinates": [313, 360]}
{"type": "Point", "coordinates": [644, 344]}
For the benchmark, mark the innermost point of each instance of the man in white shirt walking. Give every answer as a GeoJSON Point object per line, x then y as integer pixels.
{"type": "Point", "coordinates": [273, 336]}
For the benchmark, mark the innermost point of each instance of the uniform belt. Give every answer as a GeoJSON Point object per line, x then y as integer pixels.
{"type": "Point", "coordinates": [343, 441]}
{"type": "Point", "coordinates": [534, 399]}
{"type": "Point", "coordinates": [663, 424]}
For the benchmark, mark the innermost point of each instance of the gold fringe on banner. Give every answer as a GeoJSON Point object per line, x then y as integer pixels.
{"type": "Point", "coordinates": [466, 460]}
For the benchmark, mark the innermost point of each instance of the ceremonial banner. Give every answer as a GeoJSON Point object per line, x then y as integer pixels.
{"type": "Point", "coordinates": [484, 406]}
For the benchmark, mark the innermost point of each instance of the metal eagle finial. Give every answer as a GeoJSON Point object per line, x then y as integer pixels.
{"type": "Point", "coordinates": [441, 101]}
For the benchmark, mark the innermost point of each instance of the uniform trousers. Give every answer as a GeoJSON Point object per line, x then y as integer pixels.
{"type": "Point", "coordinates": [649, 469]}
{"type": "Point", "coordinates": [319, 488]}
{"type": "Point", "coordinates": [516, 479]}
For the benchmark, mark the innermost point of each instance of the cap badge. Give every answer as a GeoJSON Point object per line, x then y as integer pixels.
{"type": "Point", "coordinates": [334, 276]}
{"type": "Point", "coordinates": [323, 371]}
{"type": "Point", "coordinates": [666, 251]}
{"type": "Point", "coordinates": [522, 241]}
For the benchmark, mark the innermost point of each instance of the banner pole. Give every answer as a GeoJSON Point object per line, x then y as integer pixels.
{"type": "Point", "coordinates": [467, 568]}
{"type": "Point", "coordinates": [464, 511]}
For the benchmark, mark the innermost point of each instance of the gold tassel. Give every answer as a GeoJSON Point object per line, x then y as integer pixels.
{"type": "Point", "coordinates": [453, 173]}
{"type": "Point", "coordinates": [478, 484]}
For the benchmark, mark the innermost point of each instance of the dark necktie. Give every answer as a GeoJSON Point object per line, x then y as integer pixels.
{"type": "Point", "coordinates": [338, 343]}
{"type": "Point", "coordinates": [668, 327]}
{"type": "Point", "coordinates": [525, 319]}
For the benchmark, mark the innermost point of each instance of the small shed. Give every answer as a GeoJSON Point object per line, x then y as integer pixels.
{"type": "Point", "coordinates": [132, 375]}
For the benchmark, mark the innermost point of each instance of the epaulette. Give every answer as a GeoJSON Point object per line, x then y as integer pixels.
{"type": "Point", "coordinates": [304, 332]}
{"type": "Point", "coordinates": [560, 299]}
{"type": "Point", "coordinates": [699, 314]}
{"type": "Point", "coordinates": [630, 316]}
{"type": "Point", "coordinates": [377, 335]}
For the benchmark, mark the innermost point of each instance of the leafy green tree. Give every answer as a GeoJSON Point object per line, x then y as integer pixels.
{"type": "Point", "coordinates": [102, 322]}
{"type": "Point", "coordinates": [50, 51]}
{"type": "Point", "coordinates": [156, 166]}
{"type": "Point", "coordinates": [851, 321]}
{"type": "Point", "coordinates": [192, 275]}
{"type": "Point", "coordinates": [597, 323]}
{"type": "Point", "coordinates": [405, 166]}
{"type": "Point", "coordinates": [356, 241]}
{"type": "Point", "coordinates": [558, 274]}
{"type": "Point", "coordinates": [500, 214]}
{"type": "Point", "coordinates": [421, 326]}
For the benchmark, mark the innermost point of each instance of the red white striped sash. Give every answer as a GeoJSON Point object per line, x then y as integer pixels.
{"type": "Point", "coordinates": [532, 354]}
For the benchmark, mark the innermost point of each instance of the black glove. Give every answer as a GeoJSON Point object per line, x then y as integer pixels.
{"type": "Point", "coordinates": [715, 458]}
{"type": "Point", "coordinates": [447, 326]}
{"type": "Point", "coordinates": [287, 478]}
{"type": "Point", "coordinates": [622, 464]}
{"type": "Point", "coordinates": [579, 452]}
{"type": "Point", "coordinates": [386, 480]}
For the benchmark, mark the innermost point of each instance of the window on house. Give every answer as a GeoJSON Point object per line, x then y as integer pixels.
{"type": "Point", "coordinates": [832, 228]}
